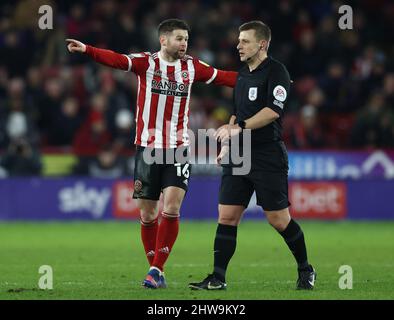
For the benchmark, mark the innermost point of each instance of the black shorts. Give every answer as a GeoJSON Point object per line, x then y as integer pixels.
{"type": "Point", "coordinates": [271, 189]}
{"type": "Point", "coordinates": [151, 178]}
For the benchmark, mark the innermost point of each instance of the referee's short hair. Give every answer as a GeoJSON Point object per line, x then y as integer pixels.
{"type": "Point", "coordinates": [262, 31]}
{"type": "Point", "coordinates": [170, 25]}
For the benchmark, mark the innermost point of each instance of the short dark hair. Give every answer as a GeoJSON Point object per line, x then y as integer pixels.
{"type": "Point", "coordinates": [170, 25]}
{"type": "Point", "coordinates": [262, 31]}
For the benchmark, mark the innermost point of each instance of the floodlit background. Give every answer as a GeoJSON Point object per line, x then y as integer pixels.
{"type": "Point", "coordinates": [67, 130]}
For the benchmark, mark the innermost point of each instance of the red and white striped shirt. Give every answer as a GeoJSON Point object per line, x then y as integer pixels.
{"type": "Point", "coordinates": [162, 112]}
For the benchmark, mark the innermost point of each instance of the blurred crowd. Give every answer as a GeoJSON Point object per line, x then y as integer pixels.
{"type": "Point", "coordinates": [52, 101]}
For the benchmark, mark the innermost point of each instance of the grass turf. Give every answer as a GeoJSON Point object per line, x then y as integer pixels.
{"type": "Point", "coordinates": [105, 260]}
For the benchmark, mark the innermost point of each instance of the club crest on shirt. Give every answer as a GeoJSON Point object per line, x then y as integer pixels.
{"type": "Point", "coordinates": [185, 75]}
{"type": "Point", "coordinates": [252, 93]}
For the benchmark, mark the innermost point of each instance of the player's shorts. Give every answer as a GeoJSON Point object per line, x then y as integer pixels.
{"type": "Point", "coordinates": [268, 178]}
{"type": "Point", "coordinates": [151, 178]}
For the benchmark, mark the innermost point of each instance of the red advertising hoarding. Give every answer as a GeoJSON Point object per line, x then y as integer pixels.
{"type": "Point", "coordinates": [316, 200]}
{"type": "Point", "coordinates": [124, 206]}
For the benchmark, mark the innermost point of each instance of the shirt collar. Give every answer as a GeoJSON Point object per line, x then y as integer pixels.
{"type": "Point", "coordinates": [261, 65]}
{"type": "Point", "coordinates": [165, 62]}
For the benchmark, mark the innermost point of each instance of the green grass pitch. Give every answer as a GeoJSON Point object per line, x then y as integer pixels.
{"type": "Point", "coordinates": [105, 260]}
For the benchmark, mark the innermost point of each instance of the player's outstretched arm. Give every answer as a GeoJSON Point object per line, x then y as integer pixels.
{"type": "Point", "coordinates": [209, 74]}
{"type": "Point", "coordinates": [103, 56]}
{"type": "Point", "coordinates": [226, 78]}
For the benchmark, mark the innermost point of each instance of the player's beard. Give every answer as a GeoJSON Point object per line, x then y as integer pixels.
{"type": "Point", "coordinates": [181, 54]}
{"type": "Point", "coordinates": [176, 54]}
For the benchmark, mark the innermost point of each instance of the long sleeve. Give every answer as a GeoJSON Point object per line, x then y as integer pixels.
{"type": "Point", "coordinates": [109, 58]}
{"type": "Point", "coordinates": [226, 78]}
{"type": "Point", "coordinates": [209, 74]}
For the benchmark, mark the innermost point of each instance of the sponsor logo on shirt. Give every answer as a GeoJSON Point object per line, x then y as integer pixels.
{"type": "Point", "coordinates": [170, 88]}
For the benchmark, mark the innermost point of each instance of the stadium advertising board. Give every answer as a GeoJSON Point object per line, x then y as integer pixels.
{"type": "Point", "coordinates": [340, 165]}
{"type": "Point", "coordinates": [318, 200]}
{"type": "Point", "coordinates": [55, 199]}
{"type": "Point", "coordinates": [123, 204]}
{"type": "Point", "coordinates": [329, 165]}
{"type": "Point", "coordinates": [361, 197]}
{"type": "Point", "coordinates": [312, 200]}
{"type": "Point", "coordinates": [97, 199]}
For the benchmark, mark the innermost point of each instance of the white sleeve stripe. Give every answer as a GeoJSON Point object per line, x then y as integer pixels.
{"type": "Point", "coordinates": [215, 72]}
{"type": "Point", "coordinates": [129, 60]}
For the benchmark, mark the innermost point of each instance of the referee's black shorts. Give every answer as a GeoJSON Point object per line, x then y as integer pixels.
{"type": "Point", "coordinates": [268, 178]}
{"type": "Point", "coordinates": [271, 190]}
{"type": "Point", "coordinates": [151, 179]}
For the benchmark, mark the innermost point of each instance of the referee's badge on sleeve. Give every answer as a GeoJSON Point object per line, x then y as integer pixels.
{"type": "Point", "coordinates": [252, 93]}
{"type": "Point", "coordinates": [280, 93]}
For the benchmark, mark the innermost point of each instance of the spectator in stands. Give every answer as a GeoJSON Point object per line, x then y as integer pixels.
{"type": "Point", "coordinates": [308, 134]}
{"type": "Point", "coordinates": [64, 123]}
{"type": "Point", "coordinates": [388, 87]}
{"type": "Point", "coordinates": [34, 90]}
{"type": "Point", "coordinates": [12, 56]}
{"type": "Point", "coordinates": [386, 126]}
{"type": "Point", "coordinates": [16, 121]}
{"type": "Point", "coordinates": [107, 164]}
{"type": "Point", "coordinates": [21, 159]}
{"type": "Point", "coordinates": [306, 58]}
{"type": "Point", "coordinates": [94, 133]}
{"type": "Point", "coordinates": [333, 84]}
{"type": "Point", "coordinates": [124, 133]}
{"type": "Point", "coordinates": [49, 104]}
{"type": "Point", "coordinates": [334, 71]}
{"type": "Point", "coordinates": [76, 23]}
{"type": "Point", "coordinates": [116, 99]}
{"type": "Point", "coordinates": [372, 124]}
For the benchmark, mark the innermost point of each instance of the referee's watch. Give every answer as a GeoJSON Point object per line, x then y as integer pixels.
{"type": "Point", "coordinates": [242, 124]}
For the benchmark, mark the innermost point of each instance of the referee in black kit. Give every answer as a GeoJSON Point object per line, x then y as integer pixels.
{"type": "Point", "coordinates": [259, 98]}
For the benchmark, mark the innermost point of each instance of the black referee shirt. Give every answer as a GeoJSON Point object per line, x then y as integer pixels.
{"type": "Point", "coordinates": [266, 86]}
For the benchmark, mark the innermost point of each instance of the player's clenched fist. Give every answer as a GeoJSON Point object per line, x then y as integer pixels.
{"type": "Point", "coordinates": [75, 46]}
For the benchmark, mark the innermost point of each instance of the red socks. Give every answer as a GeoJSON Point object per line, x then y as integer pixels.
{"type": "Point", "coordinates": [166, 236]}
{"type": "Point", "coordinates": [159, 239]}
{"type": "Point", "coordinates": [148, 236]}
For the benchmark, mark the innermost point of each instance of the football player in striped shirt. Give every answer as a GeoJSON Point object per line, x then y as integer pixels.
{"type": "Point", "coordinates": [165, 79]}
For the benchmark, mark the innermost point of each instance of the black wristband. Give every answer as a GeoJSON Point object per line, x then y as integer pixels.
{"type": "Point", "coordinates": [242, 124]}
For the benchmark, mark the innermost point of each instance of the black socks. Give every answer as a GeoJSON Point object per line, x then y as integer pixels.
{"type": "Point", "coordinates": [294, 238]}
{"type": "Point", "coordinates": [226, 241]}
{"type": "Point", "coordinates": [224, 248]}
